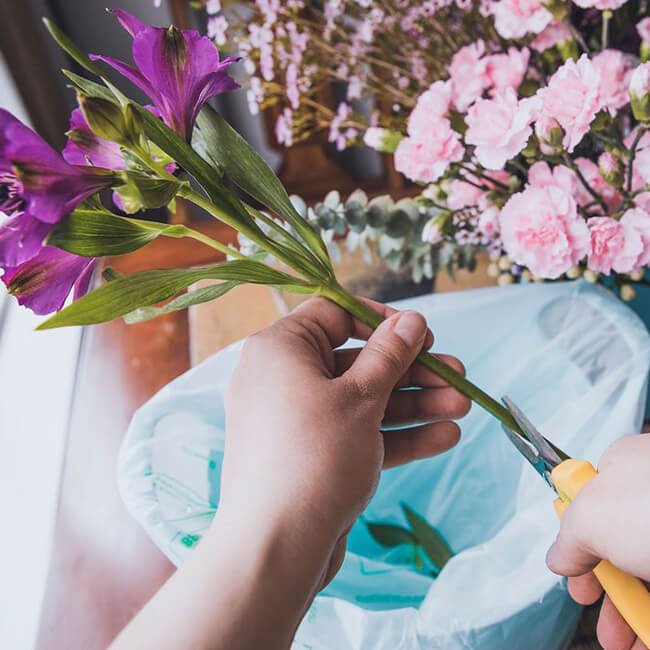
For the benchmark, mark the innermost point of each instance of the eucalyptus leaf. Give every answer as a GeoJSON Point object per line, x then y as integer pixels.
{"type": "Point", "coordinates": [390, 535]}
{"type": "Point", "coordinates": [433, 545]}
{"type": "Point", "coordinates": [249, 171]}
{"type": "Point", "coordinates": [97, 233]}
{"type": "Point", "coordinates": [196, 297]}
{"type": "Point", "coordinates": [126, 294]}
{"type": "Point", "coordinates": [70, 48]}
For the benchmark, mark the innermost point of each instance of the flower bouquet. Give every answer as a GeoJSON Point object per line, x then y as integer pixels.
{"type": "Point", "coordinates": [526, 123]}
{"type": "Point", "coordinates": [58, 224]}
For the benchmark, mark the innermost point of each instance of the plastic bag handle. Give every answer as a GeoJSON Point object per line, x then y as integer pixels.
{"type": "Point", "coordinates": [629, 595]}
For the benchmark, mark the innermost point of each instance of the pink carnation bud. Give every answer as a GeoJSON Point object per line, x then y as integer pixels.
{"type": "Point", "coordinates": [640, 92]}
{"type": "Point", "coordinates": [431, 232]}
{"type": "Point", "coordinates": [611, 169]}
{"type": "Point", "coordinates": [643, 28]}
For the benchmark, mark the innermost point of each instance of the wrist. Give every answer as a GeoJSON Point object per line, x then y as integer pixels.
{"type": "Point", "coordinates": [274, 561]}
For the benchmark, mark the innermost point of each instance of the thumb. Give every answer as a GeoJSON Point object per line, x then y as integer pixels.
{"type": "Point", "coordinates": [388, 354]}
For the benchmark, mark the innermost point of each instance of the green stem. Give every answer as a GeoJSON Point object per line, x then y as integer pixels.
{"type": "Point", "coordinates": [597, 197]}
{"type": "Point", "coordinates": [370, 317]}
{"type": "Point", "coordinates": [212, 243]}
{"type": "Point", "coordinates": [308, 270]}
{"type": "Point", "coordinates": [604, 39]}
{"type": "Point", "coordinates": [633, 147]}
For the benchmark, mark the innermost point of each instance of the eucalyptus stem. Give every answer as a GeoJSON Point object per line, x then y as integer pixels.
{"type": "Point", "coordinates": [370, 317]}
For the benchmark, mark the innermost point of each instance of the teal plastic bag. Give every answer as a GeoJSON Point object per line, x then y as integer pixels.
{"type": "Point", "coordinates": [570, 354]}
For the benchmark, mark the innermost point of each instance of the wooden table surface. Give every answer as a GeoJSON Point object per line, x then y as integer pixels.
{"type": "Point", "coordinates": [103, 566]}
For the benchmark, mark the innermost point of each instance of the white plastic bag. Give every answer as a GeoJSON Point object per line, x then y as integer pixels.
{"type": "Point", "coordinates": [571, 355]}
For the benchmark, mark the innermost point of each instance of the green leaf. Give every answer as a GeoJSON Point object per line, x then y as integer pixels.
{"type": "Point", "coordinates": [126, 294]}
{"type": "Point", "coordinates": [231, 209]}
{"type": "Point", "coordinates": [196, 297]}
{"type": "Point", "coordinates": [90, 88]}
{"type": "Point", "coordinates": [249, 171]}
{"type": "Point", "coordinates": [97, 233]}
{"type": "Point", "coordinates": [433, 545]}
{"type": "Point", "coordinates": [390, 535]}
{"type": "Point", "coordinates": [70, 47]}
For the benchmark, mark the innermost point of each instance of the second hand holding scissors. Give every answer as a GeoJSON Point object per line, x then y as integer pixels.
{"type": "Point", "coordinates": [567, 476]}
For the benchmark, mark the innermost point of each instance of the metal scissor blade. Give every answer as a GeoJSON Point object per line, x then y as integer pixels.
{"type": "Point", "coordinates": [528, 451]}
{"type": "Point", "coordinates": [538, 441]}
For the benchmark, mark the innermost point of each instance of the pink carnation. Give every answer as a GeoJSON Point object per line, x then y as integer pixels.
{"type": "Point", "coordinates": [643, 28]}
{"type": "Point", "coordinates": [431, 105]}
{"type": "Point", "coordinates": [572, 99]}
{"type": "Point", "coordinates": [615, 245]}
{"type": "Point", "coordinates": [499, 128]}
{"type": "Point", "coordinates": [639, 220]}
{"type": "Point", "coordinates": [461, 194]}
{"type": "Point", "coordinates": [507, 70]}
{"type": "Point", "coordinates": [467, 74]}
{"type": "Point", "coordinates": [541, 229]}
{"type": "Point", "coordinates": [540, 174]}
{"type": "Point", "coordinates": [615, 72]}
{"type": "Point", "coordinates": [591, 174]}
{"type": "Point", "coordinates": [602, 5]}
{"type": "Point", "coordinates": [641, 168]}
{"type": "Point", "coordinates": [555, 33]}
{"type": "Point", "coordinates": [426, 160]}
{"type": "Point", "coordinates": [516, 18]}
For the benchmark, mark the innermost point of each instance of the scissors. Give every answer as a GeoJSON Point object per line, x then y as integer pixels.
{"type": "Point", "coordinates": [567, 476]}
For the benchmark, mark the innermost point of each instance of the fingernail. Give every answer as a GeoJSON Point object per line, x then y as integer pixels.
{"type": "Point", "coordinates": [410, 327]}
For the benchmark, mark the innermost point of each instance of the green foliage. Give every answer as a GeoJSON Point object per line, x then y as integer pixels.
{"type": "Point", "coordinates": [433, 545]}
{"type": "Point", "coordinates": [185, 300]}
{"type": "Point", "coordinates": [70, 48]}
{"type": "Point", "coordinates": [248, 170]}
{"type": "Point", "coordinates": [97, 233]}
{"type": "Point", "coordinates": [390, 535]}
{"type": "Point", "coordinates": [128, 293]}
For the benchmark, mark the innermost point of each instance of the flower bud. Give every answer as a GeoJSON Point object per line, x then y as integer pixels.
{"type": "Point", "coordinates": [643, 29]}
{"type": "Point", "coordinates": [590, 276]}
{"type": "Point", "coordinates": [526, 275]}
{"type": "Point", "coordinates": [142, 192]}
{"type": "Point", "coordinates": [574, 273]}
{"type": "Point", "coordinates": [104, 118]}
{"type": "Point", "coordinates": [568, 49]}
{"type": "Point", "coordinates": [558, 8]}
{"type": "Point", "coordinates": [638, 275]}
{"type": "Point", "coordinates": [382, 140]}
{"type": "Point", "coordinates": [493, 270]}
{"type": "Point", "coordinates": [433, 231]}
{"type": "Point", "coordinates": [504, 263]}
{"type": "Point", "coordinates": [640, 92]}
{"type": "Point", "coordinates": [505, 279]}
{"type": "Point", "coordinates": [611, 169]}
{"type": "Point", "coordinates": [627, 292]}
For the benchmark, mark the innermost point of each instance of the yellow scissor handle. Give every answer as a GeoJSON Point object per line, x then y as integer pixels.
{"type": "Point", "coordinates": [629, 594]}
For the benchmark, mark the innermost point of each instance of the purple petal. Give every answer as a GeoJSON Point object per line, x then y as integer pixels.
{"type": "Point", "coordinates": [128, 21]}
{"type": "Point", "coordinates": [85, 148]}
{"type": "Point", "coordinates": [50, 197]}
{"type": "Point", "coordinates": [82, 284]}
{"type": "Point", "coordinates": [44, 282]}
{"type": "Point", "coordinates": [21, 238]}
{"type": "Point", "coordinates": [127, 70]}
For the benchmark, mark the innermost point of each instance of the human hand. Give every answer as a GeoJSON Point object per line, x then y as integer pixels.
{"type": "Point", "coordinates": [610, 519]}
{"type": "Point", "coordinates": [304, 445]}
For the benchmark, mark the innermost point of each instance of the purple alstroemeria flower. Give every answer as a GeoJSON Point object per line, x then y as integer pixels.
{"type": "Point", "coordinates": [179, 70]}
{"type": "Point", "coordinates": [38, 189]}
{"type": "Point", "coordinates": [44, 282]}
